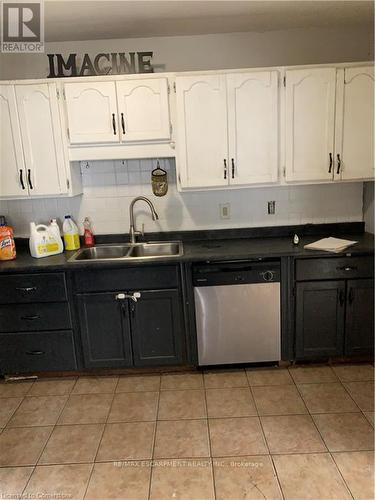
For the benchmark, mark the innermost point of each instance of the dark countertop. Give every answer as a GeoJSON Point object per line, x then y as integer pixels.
{"type": "Point", "coordinates": [201, 250]}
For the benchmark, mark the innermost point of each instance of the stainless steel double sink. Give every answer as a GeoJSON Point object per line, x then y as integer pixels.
{"type": "Point", "coordinates": [129, 251]}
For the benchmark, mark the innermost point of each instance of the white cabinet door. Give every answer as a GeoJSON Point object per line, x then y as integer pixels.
{"type": "Point", "coordinates": [354, 145]}
{"type": "Point", "coordinates": [253, 127]}
{"type": "Point", "coordinates": [12, 168]}
{"type": "Point", "coordinates": [202, 140]}
{"type": "Point", "coordinates": [92, 112]}
{"type": "Point", "coordinates": [310, 115]}
{"type": "Point", "coordinates": [143, 109]}
{"type": "Point", "coordinates": [41, 138]}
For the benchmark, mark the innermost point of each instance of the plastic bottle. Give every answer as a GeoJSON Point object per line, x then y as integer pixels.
{"type": "Point", "coordinates": [44, 241]}
{"type": "Point", "coordinates": [88, 234]}
{"type": "Point", "coordinates": [7, 245]}
{"type": "Point", "coordinates": [71, 235]}
{"type": "Point", "coordinates": [54, 228]}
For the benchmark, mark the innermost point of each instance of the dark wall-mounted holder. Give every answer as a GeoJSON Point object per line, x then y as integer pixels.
{"type": "Point", "coordinates": [159, 181]}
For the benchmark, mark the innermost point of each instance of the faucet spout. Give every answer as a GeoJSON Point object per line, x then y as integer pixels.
{"type": "Point", "coordinates": [133, 233]}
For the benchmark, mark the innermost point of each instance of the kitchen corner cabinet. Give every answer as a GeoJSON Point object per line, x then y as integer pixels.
{"type": "Point", "coordinates": [33, 160]}
{"type": "Point", "coordinates": [334, 307]}
{"type": "Point", "coordinates": [227, 128]}
{"type": "Point", "coordinates": [125, 321]}
{"type": "Point", "coordinates": [118, 112]}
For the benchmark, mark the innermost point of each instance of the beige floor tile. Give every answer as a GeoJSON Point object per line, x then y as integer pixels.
{"type": "Point", "coordinates": [362, 393]}
{"type": "Point", "coordinates": [86, 409]}
{"type": "Point", "coordinates": [38, 411]}
{"type": "Point", "coordinates": [134, 406]}
{"type": "Point", "coordinates": [95, 385]}
{"type": "Point", "coordinates": [111, 481]}
{"type": "Point", "coordinates": [354, 373]}
{"type": "Point", "coordinates": [313, 477]}
{"type": "Point", "coordinates": [327, 398]}
{"type": "Point", "coordinates": [272, 376]}
{"type": "Point", "coordinates": [182, 439]}
{"type": "Point", "coordinates": [313, 374]}
{"type": "Point", "coordinates": [180, 381]}
{"type": "Point", "coordinates": [72, 444]}
{"type": "Point", "coordinates": [345, 431]}
{"type": "Point", "coordinates": [13, 481]}
{"type": "Point", "coordinates": [278, 400]}
{"type": "Point", "coordinates": [22, 446]}
{"type": "Point", "coordinates": [127, 441]}
{"type": "Point", "coordinates": [14, 389]}
{"type": "Point", "coordinates": [183, 480]}
{"type": "Point", "coordinates": [232, 402]}
{"type": "Point", "coordinates": [138, 383]}
{"type": "Point", "coordinates": [225, 378]}
{"type": "Point", "coordinates": [182, 404]}
{"type": "Point", "coordinates": [370, 416]}
{"type": "Point", "coordinates": [7, 407]}
{"type": "Point", "coordinates": [236, 436]}
{"type": "Point", "coordinates": [250, 478]}
{"type": "Point", "coordinates": [357, 469]}
{"type": "Point", "coordinates": [52, 387]}
{"type": "Point", "coordinates": [59, 481]}
{"type": "Point", "coordinates": [292, 434]}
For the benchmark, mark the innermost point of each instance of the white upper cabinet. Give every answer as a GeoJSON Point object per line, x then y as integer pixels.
{"type": "Point", "coordinates": [354, 146]}
{"type": "Point", "coordinates": [202, 139]}
{"type": "Point", "coordinates": [42, 139]}
{"type": "Point", "coordinates": [253, 127]}
{"type": "Point", "coordinates": [143, 109]}
{"type": "Point", "coordinates": [310, 118]}
{"type": "Point", "coordinates": [92, 112]}
{"type": "Point", "coordinates": [12, 168]}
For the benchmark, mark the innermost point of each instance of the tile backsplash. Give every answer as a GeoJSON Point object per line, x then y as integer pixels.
{"type": "Point", "coordinates": [110, 186]}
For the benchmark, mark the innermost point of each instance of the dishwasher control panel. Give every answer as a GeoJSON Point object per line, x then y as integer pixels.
{"type": "Point", "coordinates": [235, 273]}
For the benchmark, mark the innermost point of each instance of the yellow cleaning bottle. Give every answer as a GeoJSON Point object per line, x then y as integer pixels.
{"type": "Point", "coordinates": [71, 234]}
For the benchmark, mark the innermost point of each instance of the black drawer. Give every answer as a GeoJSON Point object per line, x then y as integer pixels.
{"type": "Point", "coordinates": [29, 317]}
{"type": "Point", "coordinates": [134, 278]}
{"type": "Point", "coordinates": [34, 352]}
{"type": "Point", "coordinates": [334, 268]}
{"type": "Point", "coordinates": [24, 288]}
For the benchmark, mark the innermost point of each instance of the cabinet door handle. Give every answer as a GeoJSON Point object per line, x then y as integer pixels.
{"type": "Point", "coordinates": [27, 289]}
{"type": "Point", "coordinates": [114, 123]}
{"type": "Point", "coordinates": [35, 353]}
{"type": "Point", "coordinates": [338, 164]}
{"type": "Point", "coordinates": [30, 318]}
{"type": "Point", "coordinates": [342, 298]}
{"type": "Point", "coordinates": [123, 123]}
{"type": "Point", "coordinates": [225, 169]}
{"type": "Point", "coordinates": [351, 296]}
{"type": "Point", "coordinates": [232, 168]}
{"type": "Point", "coordinates": [21, 179]}
{"type": "Point", "coordinates": [330, 163]}
{"type": "Point", "coordinates": [29, 178]}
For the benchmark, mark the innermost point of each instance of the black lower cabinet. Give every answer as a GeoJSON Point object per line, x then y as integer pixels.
{"type": "Point", "coordinates": [118, 331]}
{"type": "Point", "coordinates": [320, 318]}
{"type": "Point", "coordinates": [156, 324]}
{"type": "Point", "coordinates": [359, 326]}
{"type": "Point", "coordinates": [105, 330]}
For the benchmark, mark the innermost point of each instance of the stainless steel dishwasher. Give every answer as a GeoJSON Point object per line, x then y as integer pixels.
{"type": "Point", "coordinates": [237, 309]}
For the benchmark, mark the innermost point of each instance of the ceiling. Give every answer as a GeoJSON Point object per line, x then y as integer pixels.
{"type": "Point", "coordinates": [93, 20]}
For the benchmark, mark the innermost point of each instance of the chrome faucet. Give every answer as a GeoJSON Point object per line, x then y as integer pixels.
{"type": "Point", "coordinates": [133, 233]}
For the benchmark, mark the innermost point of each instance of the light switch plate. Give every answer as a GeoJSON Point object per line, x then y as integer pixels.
{"type": "Point", "coordinates": [224, 210]}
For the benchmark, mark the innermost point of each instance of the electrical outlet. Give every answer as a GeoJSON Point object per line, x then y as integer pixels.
{"type": "Point", "coordinates": [271, 207]}
{"type": "Point", "coordinates": [224, 210]}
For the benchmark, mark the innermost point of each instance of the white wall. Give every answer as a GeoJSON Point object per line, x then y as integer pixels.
{"type": "Point", "coordinates": [221, 51]}
{"type": "Point", "coordinates": [368, 206]}
{"type": "Point", "coordinates": [110, 186]}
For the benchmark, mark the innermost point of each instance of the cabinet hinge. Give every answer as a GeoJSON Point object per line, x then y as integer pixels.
{"type": "Point", "coordinates": [58, 93]}
{"type": "Point", "coordinates": [169, 89]}
{"type": "Point", "coordinates": [174, 87]}
{"type": "Point", "coordinates": [284, 81]}
{"type": "Point", "coordinates": [284, 171]}
{"type": "Point", "coordinates": [67, 183]}
{"type": "Point", "coordinates": [64, 96]}
{"type": "Point", "coordinates": [170, 128]}
{"type": "Point", "coordinates": [67, 131]}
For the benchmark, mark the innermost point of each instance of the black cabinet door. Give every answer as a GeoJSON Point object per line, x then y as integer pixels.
{"type": "Point", "coordinates": [320, 317]}
{"type": "Point", "coordinates": [105, 333]}
{"type": "Point", "coordinates": [156, 321]}
{"type": "Point", "coordinates": [359, 327]}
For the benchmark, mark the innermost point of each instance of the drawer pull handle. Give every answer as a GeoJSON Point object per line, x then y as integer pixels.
{"type": "Point", "coordinates": [31, 318]}
{"type": "Point", "coordinates": [347, 268]}
{"type": "Point", "coordinates": [27, 289]}
{"type": "Point", "coordinates": [35, 353]}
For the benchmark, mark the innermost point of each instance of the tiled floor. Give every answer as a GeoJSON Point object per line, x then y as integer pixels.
{"type": "Point", "coordinates": [302, 433]}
